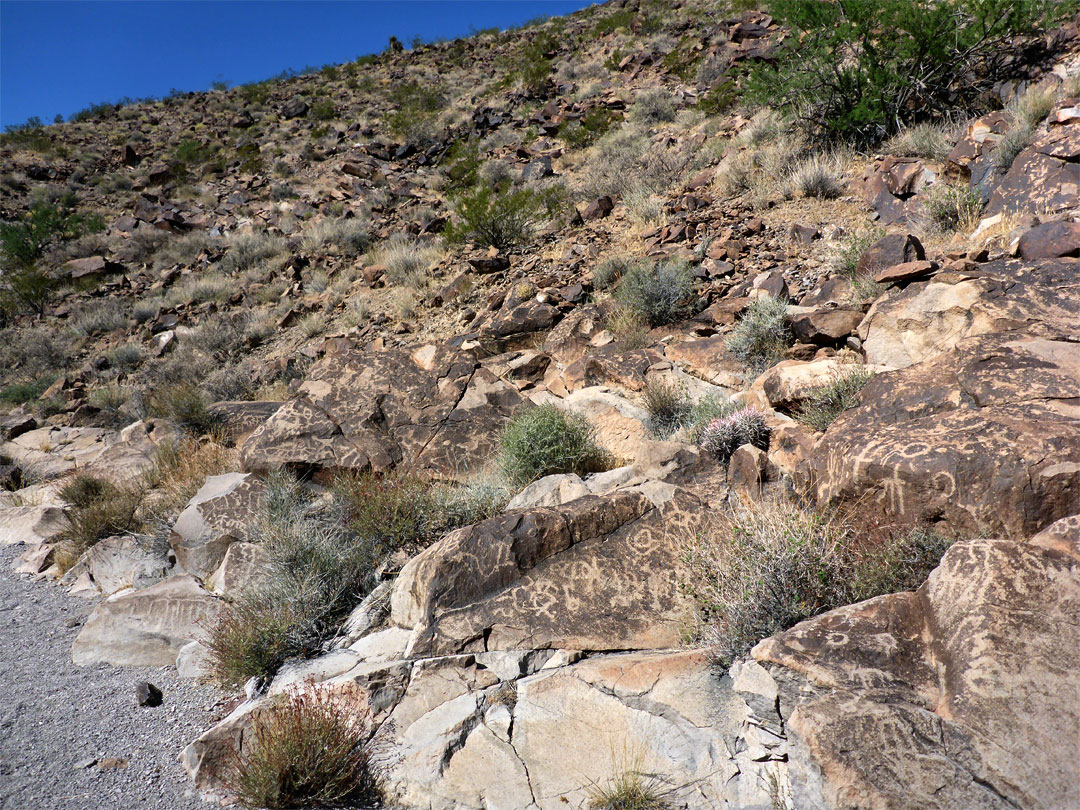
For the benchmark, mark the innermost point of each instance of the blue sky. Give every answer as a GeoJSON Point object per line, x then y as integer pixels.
{"type": "Point", "coordinates": [62, 56]}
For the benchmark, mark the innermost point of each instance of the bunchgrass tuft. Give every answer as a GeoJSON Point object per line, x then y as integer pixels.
{"type": "Point", "coordinates": [825, 403]}
{"type": "Point", "coordinates": [309, 749]}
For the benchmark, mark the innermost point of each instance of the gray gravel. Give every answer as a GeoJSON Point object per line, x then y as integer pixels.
{"type": "Point", "coordinates": [56, 719]}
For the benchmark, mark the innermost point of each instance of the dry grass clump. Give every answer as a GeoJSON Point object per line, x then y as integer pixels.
{"type": "Point", "coordinates": [819, 176]}
{"type": "Point", "coordinates": [309, 749]}
{"type": "Point", "coordinates": [350, 237]}
{"type": "Point", "coordinates": [97, 509]}
{"type": "Point", "coordinates": [198, 289]}
{"type": "Point", "coordinates": [98, 318]}
{"type": "Point", "coordinates": [1028, 110]}
{"type": "Point", "coordinates": [407, 259]}
{"type": "Point", "coordinates": [184, 404]}
{"type": "Point", "coordinates": [631, 788]}
{"type": "Point", "coordinates": [247, 251]}
{"type": "Point", "coordinates": [765, 567]}
{"type": "Point", "coordinates": [184, 250]}
{"type": "Point", "coordinates": [825, 403]}
{"type": "Point", "coordinates": [925, 140]}
{"type": "Point", "coordinates": [668, 405]}
{"type": "Point", "coordinates": [952, 208]}
{"type": "Point", "coordinates": [181, 467]}
{"type": "Point", "coordinates": [652, 107]}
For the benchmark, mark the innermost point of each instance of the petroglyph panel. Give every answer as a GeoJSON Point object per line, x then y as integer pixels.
{"type": "Point", "coordinates": [985, 439]}
{"type": "Point", "coordinates": [147, 627]}
{"type": "Point", "coordinates": [431, 408]}
{"type": "Point", "coordinates": [598, 573]}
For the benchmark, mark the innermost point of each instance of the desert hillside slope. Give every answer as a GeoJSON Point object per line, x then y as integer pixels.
{"type": "Point", "coordinates": [670, 405]}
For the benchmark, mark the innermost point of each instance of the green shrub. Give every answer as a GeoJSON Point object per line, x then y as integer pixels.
{"type": "Point", "coordinates": [659, 294]}
{"type": "Point", "coordinates": [826, 402]}
{"type": "Point", "coordinates": [762, 335]}
{"type": "Point", "coordinates": [309, 749]}
{"type": "Point", "coordinates": [415, 107]}
{"type": "Point", "coordinates": [391, 511]}
{"type": "Point", "coordinates": [98, 509]}
{"type": "Point", "coordinates": [718, 98]}
{"type": "Point", "coordinates": [323, 110]}
{"type": "Point", "coordinates": [503, 219]}
{"type": "Point", "coordinates": [19, 393]}
{"type": "Point", "coordinates": [546, 440]}
{"type": "Point", "coordinates": [23, 242]}
{"type": "Point", "coordinates": [609, 271]}
{"type": "Point", "coordinates": [668, 405]}
{"type": "Point", "coordinates": [592, 125]}
{"type": "Point", "coordinates": [768, 566]}
{"type": "Point", "coordinates": [859, 70]}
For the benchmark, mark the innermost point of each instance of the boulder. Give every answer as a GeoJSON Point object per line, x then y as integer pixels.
{"type": "Point", "coordinates": [708, 359]}
{"type": "Point", "coordinates": [1051, 240]}
{"type": "Point", "coordinates": [889, 251]}
{"type": "Point", "coordinates": [432, 408]}
{"type": "Point", "coordinates": [941, 695]}
{"type": "Point", "coordinates": [929, 317]}
{"type": "Point", "coordinates": [147, 627]}
{"type": "Point", "coordinates": [216, 517]}
{"type": "Point", "coordinates": [787, 384]}
{"type": "Point", "coordinates": [238, 420]}
{"type": "Point", "coordinates": [118, 455]}
{"type": "Point", "coordinates": [826, 327]}
{"type": "Point", "coordinates": [30, 525]}
{"type": "Point", "coordinates": [242, 565]}
{"type": "Point", "coordinates": [117, 563]}
{"type": "Point", "coordinates": [595, 573]}
{"type": "Point", "coordinates": [981, 439]}
{"type": "Point", "coordinates": [619, 423]}
{"type": "Point", "coordinates": [1043, 176]}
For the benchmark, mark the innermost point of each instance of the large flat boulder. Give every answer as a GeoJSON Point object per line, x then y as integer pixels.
{"type": "Point", "coordinates": [906, 326]}
{"type": "Point", "coordinates": [118, 563]}
{"type": "Point", "coordinates": [961, 694]}
{"type": "Point", "coordinates": [147, 627]}
{"type": "Point", "coordinates": [598, 573]}
{"type": "Point", "coordinates": [984, 439]}
{"type": "Point", "coordinates": [117, 455]}
{"type": "Point", "coordinates": [30, 525]}
{"type": "Point", "coordinates": [215, 518]}
{"type": "Point", "coordinates": [431, 408]}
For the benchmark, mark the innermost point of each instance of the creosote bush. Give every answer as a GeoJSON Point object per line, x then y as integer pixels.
{"type": "Point", "coordinates": [658, 294]}
{"type": "Point", "coordinates": [859, 70]}
{"type": "Point", "coordinates": [503, 218]}
{"type": "Point", "coordinates": [309, 749]}
{"type": "Point", "coordinates": [724, 435]}
{"type": "Point", "coordinates": [545, 440]}
{"type": "Point", "coordinates": [762, 335]}
{"type": "Point", "coordinates": [765, 567]}
{"type": "Point", "coordinates": [826, 402]}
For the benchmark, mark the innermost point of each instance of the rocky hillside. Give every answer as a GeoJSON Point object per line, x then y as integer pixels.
{"type": "Point", "coordinates": [542, 419]}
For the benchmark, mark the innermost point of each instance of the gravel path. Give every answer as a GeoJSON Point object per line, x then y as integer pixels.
{"type": "Point", "coordinates": [60, 724]}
